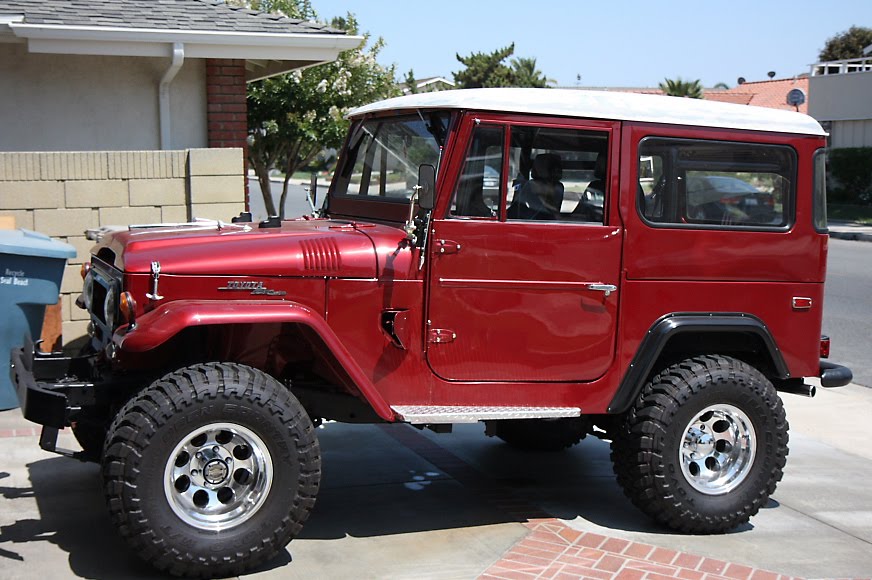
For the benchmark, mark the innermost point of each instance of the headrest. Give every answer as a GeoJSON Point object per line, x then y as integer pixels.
{"type": "Point", "coordinates": [547, 167]}
{"type": "Point", "coordinates": [599, 168]}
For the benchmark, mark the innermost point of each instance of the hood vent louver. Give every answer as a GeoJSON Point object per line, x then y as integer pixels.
{"type": "Point", "coordinates": [321, 255]}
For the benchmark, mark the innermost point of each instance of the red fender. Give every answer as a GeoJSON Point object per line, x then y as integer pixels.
{"type": "Point", "coordinates": [158, 326]}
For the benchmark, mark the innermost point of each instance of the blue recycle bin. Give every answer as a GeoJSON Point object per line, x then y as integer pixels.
{"type": "Point", "coordinates": [31, 269]}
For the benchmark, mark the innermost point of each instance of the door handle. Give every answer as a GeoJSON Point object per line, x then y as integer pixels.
{"type": "Point", "coordinates": [606, 289]}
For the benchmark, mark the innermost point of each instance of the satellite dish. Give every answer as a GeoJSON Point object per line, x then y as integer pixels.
{"type": "Point", "coordinates": [741, 80]}
{"type": "Point", "coordinates": [796, 97]}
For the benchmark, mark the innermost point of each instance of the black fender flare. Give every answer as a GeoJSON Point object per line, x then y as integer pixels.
{"type": "Point", "coordinates": [671, 325]}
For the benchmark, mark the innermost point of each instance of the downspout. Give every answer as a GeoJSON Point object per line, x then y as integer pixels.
{"type": "Point", "coordinates": [164, 94]}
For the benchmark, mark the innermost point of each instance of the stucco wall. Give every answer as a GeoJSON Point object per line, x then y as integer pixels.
{"type": "Point", "coordinates": [64, 194]}
{"type": "Point", "coordinates": [840, 97]}
{"type": "Point", "coordinates": [51, 102]}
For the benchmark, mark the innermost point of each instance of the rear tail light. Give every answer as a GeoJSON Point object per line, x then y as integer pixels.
{"type": "Point", "coordinates": [825, 347]}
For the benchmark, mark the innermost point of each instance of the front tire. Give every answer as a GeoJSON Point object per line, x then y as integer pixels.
{"type": "Point", "coordinates": [704, 445]}
{"type": "Point", "coordinates": [211, 470]}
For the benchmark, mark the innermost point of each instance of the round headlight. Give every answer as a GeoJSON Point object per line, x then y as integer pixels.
{"type": "Point", "coordinates": [109, 308]}
{"type": "Point", "coordinates": [87, 290]}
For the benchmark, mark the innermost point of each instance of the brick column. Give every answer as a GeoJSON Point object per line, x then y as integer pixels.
{"type": "Point", "coordinates": [227, 109]}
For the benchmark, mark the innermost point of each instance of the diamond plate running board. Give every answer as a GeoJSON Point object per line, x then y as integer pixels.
{"type": "Point", "coordinates": [434, 415]}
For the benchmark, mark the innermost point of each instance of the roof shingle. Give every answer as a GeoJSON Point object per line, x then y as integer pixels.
{"type": "Point", "coordinates": [196, 15]}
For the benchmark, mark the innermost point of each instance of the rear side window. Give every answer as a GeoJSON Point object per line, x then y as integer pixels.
{"type": "Point", "coordinates": [716, 184]}
{"type": "Point", "coordinates": [820, 191]}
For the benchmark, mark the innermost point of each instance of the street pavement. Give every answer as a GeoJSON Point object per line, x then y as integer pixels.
{"type": "Point", "coordinates": [401, 503]}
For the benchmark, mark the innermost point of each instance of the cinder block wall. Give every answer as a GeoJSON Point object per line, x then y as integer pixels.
{"type": "Point", "coordinates": [64, 194]}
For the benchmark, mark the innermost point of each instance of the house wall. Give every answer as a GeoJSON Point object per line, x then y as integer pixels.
{"type": "Point", "coordinates": [851, 133]}
{"type": "Point", "coordinates": [64, 194]}
{"type": "Point", "coordinates": [844, 100]}
{"type": "Point", "coordinates": [51, 102]}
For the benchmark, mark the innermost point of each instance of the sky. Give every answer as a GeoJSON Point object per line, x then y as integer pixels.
{"type": "Point", "coordinates": [609, 43]}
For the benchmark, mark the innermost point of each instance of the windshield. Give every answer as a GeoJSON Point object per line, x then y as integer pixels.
{"type": "Point", "coordinates": [383, 155]}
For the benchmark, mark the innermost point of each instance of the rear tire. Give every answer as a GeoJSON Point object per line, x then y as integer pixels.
{"type": "Point", "coordinates": [704, 445]}
{"type": "Point", "coordinates": [211, 470]}
{"type": "Point", "coordinates": [542, 434]}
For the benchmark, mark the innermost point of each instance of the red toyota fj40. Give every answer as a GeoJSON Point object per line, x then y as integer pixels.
{"type": "Point", "coordinates": [551, 263]}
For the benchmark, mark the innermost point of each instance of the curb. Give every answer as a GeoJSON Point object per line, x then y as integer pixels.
{"type": "Point", "coordinates": [854, 236]}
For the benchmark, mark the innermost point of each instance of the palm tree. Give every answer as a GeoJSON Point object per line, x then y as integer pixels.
{"type": "Point", "coordinates": [680, 88]}
{"type": "Point", "coordinates": [527, 75]}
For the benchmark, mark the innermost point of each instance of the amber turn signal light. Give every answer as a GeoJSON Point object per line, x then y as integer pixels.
{"type": "Point", "coordinates": [86, 267]}
{"type": "Point", "coordinates": [127, 308]}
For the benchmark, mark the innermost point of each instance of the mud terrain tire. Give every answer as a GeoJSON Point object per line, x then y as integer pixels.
{"type": "Point", "coordinates": [211, 470]}
{"type": "Point", "coordinates": [704, 445]}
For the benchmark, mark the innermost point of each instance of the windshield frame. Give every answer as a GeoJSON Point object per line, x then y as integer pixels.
{"type": "Point", "coordinates": [380, 207]}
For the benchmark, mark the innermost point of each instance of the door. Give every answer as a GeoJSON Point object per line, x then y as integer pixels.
{"type": "Point", "coordinates": [524, 271]}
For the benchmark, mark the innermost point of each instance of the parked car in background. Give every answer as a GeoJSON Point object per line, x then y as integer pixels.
{"type": "Point", "coordinates": [724, 199]}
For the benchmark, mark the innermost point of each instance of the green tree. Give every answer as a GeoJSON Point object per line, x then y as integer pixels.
{"type": "Point", "coordinates": [848, 44]}
{"type": "Point", "coordinates": [293, 117]}
{"type": "Point", "coordinates": [490, 70]}
{"type": "Point", "coordinates": [527, 75]}
{"type": "Point", "coordinates": [485, 69]}
{"type": "Point", "coordinates": [411, 82]}
{"type": "Point", "coordinates": [680, 88]}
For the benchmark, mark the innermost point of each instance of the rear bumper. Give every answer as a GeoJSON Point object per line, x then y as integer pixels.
{"type": "Point", "coordinates": [834, 375]}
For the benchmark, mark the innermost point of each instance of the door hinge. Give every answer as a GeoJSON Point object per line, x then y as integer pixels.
{"type": "Point", "coordinates": [447, 247]}
{"type": "Point", "coordinates": [441, 335]}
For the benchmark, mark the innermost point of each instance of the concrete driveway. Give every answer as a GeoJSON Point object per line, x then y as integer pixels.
{"type": "Point", "coordinates": [401, 503]}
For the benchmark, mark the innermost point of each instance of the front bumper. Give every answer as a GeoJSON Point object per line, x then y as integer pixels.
{"type": "Point", "coordinates": [49, 388]}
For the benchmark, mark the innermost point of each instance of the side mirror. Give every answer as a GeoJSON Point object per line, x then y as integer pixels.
{"type": "Point", "coordinates": [427, 186]}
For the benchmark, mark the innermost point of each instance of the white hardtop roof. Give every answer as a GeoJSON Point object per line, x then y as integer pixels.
{"type": "Point", "coordinates": [606, 105]}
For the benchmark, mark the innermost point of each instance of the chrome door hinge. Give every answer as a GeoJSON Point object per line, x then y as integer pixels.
{"type": "Point", "coordinates": [441, 335]}
{"type": "Point", "coordinates": [447, 247]}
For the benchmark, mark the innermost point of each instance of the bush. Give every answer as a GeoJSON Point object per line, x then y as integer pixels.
{"type": "Point", "coordinates": [850, 175]}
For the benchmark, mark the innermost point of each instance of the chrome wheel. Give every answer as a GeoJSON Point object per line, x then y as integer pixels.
{"type": "Point", "coordinates": [218, 476]}
{"type": "Point", "coordinates": [718, 449]}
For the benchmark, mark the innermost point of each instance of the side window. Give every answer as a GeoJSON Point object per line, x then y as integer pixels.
{"type": "Point", "coordinates": [478, 191]}
{"type": "Point", "coordinates": [712, 183]}
{"type": "Point", "coordinates": [820, 190]}
{"type": "Point", "coordinates": [557, 174]}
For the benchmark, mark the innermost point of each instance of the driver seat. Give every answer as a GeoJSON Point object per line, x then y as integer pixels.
{"type": "Point", "coordinates": [541, 197]}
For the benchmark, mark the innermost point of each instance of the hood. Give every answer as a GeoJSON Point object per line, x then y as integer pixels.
{"type": "Point", "coordinates": [297, 248]}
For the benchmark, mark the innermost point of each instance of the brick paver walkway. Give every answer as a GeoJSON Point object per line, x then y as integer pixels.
{"type": "Point", "coordinates": [554, 550]}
